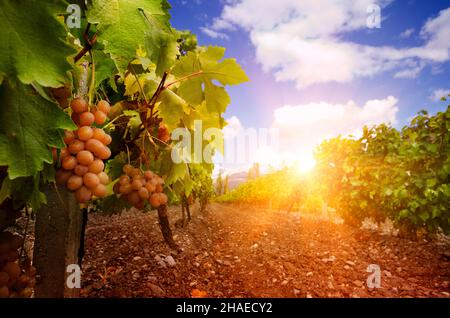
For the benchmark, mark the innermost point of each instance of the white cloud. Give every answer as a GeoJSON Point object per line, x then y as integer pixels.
{"type": "Point", "coordinates": [214, 34]}
{"type": "Point", "coordinates": [407, 33]}
{"type": "Point", "coordinates": [439, 93]}
{"type": "Point", "coordinates": [300, 128]}
{"type": "Point", "coordinates": [301, 41]}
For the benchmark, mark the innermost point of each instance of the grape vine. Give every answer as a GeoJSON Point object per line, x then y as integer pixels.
{"type": "Point", "coordinates": [146, 79]}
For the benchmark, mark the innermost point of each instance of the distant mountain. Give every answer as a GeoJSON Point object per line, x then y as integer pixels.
{"type": "Point", "coordinates": [236, 179]}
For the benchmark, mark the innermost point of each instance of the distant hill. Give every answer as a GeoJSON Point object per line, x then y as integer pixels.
{"type": "Point", "coordinates": [236, 179]}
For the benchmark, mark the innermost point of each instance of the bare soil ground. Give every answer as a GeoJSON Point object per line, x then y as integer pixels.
{"type": "Point", "coordinates": [233, 251]}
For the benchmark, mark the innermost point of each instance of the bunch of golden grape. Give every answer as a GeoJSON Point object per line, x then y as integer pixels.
{"type": "Point", "coordinates": [136, 187]}
{"type": "Point", "coordinates": [14, 281]}
{"type": "Point", "coordinates": [82, 160]}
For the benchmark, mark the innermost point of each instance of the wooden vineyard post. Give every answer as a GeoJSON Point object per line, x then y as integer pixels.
{"type": "Point", "coordinates": [57, 240]}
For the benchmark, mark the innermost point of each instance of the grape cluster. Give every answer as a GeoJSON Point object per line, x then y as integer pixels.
{"type": "Point", "coordinates": [14, 282]}
{"type": "Point", "coordinates": [137, 187]}
{"type": "Point", "coordinates": [82, 160]}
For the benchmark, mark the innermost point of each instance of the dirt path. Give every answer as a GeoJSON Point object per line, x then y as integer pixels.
{"type": "Point", "coordinates": [242, 252]}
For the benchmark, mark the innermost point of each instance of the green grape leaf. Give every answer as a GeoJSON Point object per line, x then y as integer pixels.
{"type": "Point", "coordinates": [30, 126]}
{"type": "Point", "coordinates": [134, 122]}
{"type": "Point", "coordinates": [217, 98]}
{"type": "Point", "coordinates": [104, 12]}
{"type": "Point", "coordinates": [37, 198]}
{"type": "Point", "coordinates": [125, 27]}
{"type": "Point", "coordinates": [48, 173]}
{"type": "Point", "coordinates": [192, 91]}
{"type": "Point", "coordinates": [33, 45]}
{"type": "Point", "coordinates": [112, 205]}
{"type": "Point", "coordinates": [162, 49]}
{"type": "Point", "coordinates": [104, 66]}
{"type": "Point", "coordinates": [208, 66]}
{"type": "Point", "coordinates": [177, 172]}
{"type": "Point", "coordinates": [5, 190]}
{"type": "Point", "coordinates": [114, 166]}
{"type": "Point", "coordinates": [171, 108]}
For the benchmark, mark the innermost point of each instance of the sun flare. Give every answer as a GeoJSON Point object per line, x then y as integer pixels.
{"type": "Point", "coordinates": [305, 163]}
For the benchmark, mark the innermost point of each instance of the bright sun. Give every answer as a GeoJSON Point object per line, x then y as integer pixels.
{"type": "Point", "coordinates": [305, 163]}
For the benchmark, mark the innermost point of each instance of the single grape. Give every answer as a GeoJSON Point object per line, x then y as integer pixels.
{"type": "Point", "coordinates": [96, 166]}
{"type": "Point", "coordinates": [154, 200]}
{"type": "Point", "coordinates": [100, 117]}
{"type": "Point", "coordinates": [64, 153]}
{"type": "Point", "coordinates": [103, 106]}
{"type": "Point", "coordinates": [83, 194]}
{"type": "Point", "coordinates": [69, 136]}
{"type": "Point", "coordinates": [103, 153]}
{"type": "Point", "coordinates": [123, 180]}
{"type": "Point", "coordinates": [79, 105]}
{"type": "Point", "coordinates": [103, 177]}
{"type": "Point", "coordinates": [76, 146]}
{"type": "Point", "coordinates": [84, 133]}
{"type": "Point", "coordinates": [90, 180]}
{"type": "Point", "coordinates": [86, 119]}
{"type": "Point", "coordinates": [143, 193]}
{"type": "Point", "coordinates": [94, 145]}
{"type": "Point", "coordinates": [81, 170]}
{"type": "Point", "coordinates": [163, 198]}
{"type": "Point", "coordinates": [99, 190]}
{"type": "Point", "coordinates": [107, 139]}
{"type": "Point", "coordinates": [69, 163]}
{"type": "Point", "coordinates": [74, 182]}
{"type": "Point", "coordinates": [150, 187]}
{"type": "Point", "coordinates": [85, 157]}
{"type": "Point", "coordinates": [148, 175]}
{"type": "Point", "coordinates": [99, 134]}
{"type": "Point", "coordinates": [125, 189]}
{"type": "Point", "coordinates": [136, 184]}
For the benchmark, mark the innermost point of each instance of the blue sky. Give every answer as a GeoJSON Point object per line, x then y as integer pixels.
{"type": "Point", "coordinates": [318, 60]}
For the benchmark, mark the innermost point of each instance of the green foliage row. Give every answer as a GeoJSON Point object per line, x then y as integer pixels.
{"type": "Point", "coordinates": [403, 175]}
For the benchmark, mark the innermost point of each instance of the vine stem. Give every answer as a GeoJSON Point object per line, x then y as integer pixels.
{"type": "Point", "coordinates": [128, 153]}
{"type": "Point", "coordinates": [183, 78]}
{"type": "Point", "coordinates": [92, 85]}
{"type": "Point", "coordinates": [139, 84]}
{"type": "Point", "coordinates": [112, 121]}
